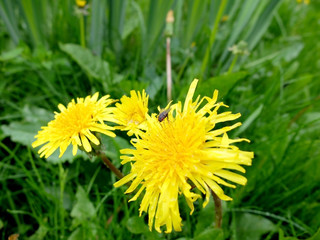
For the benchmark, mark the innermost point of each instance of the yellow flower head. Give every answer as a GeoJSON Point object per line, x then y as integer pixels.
{"type": "Point", "coordinates": [307, 2]}
{"type": "Point", "coordinates": [181, 153]}
{"type": "Point", "coordinates": [81, 3]}
{"type": "Point", "coordinates": [131, 113]}
{"type": "Point", "coordinates": [76, 124]}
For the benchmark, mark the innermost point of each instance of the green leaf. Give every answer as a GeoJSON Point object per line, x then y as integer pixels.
{"type": "Point", "coordinates": [136, 225]}
{"type": "Point", "coordinates": [222, 83]}
{"type": "Point", "coordinates": [249, 121]}
{"type": "Point", "coordinates": [76, 234]}
{"type": "Point", "coordinates": [66, 157]}
{"type": "Point", "coordinates": [154, 235]}
{"type": "Point", "coordinates": [262, 23]}
{"type": "Point", "coordinates": [252, 227]}
{"type": "Point", "coordinates": [112, 147]}
{"type": "Point", "coordinates": [40, 233]}
{"type": "Point", "coordinates": [288, 54]}
{"type": "Point", "coordinates": [83, 209]}
{"type": "Point", "coordinates": [210, 233]}
{"type": "Point", "coordinates": [88, 230]}
{"type": "Point", "coordinates": [11, 54]}
{"type": "Point", "coordinates": [205, 218]}
{"type": "Point", "coordinates": [154, 87]}
{"type": "Point", "coordinates": [155, 81]}
{"type": "Point", "coordinates": [37, 115]}
{"type": "Point", "coordinates": [282, 237]}
{"type": "Point", "coordinates": [94, 66]}
{"type": "Point", "coordinates": [131, 23]}
{"type": "Point", "coordinates": [21, 132]}
{"type": "Point", "coordinates": [316, 236]}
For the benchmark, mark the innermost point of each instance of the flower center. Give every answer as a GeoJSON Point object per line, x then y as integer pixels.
{"type": "Point", "coordinates": [76, 118]}
{"type": "Point", "coordinates": [173, 146]}
{"type": "Point", "coordinates": [136, 117]}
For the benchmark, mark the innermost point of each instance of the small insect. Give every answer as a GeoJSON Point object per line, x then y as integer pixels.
{"type": "Point", "coordinates": [164, 113]}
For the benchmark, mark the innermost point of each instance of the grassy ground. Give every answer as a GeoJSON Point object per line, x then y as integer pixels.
{"type": "Point", "coordinates": [276, 89]}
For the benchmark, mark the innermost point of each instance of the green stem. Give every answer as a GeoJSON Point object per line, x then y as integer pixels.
{"type": "Point", "coordinates": [234, 60]}
{"type": "Point", "coordinates": [234, 225]}
{"type": "Point", "coordinates": [181, 71]}
{"type": "Point", "coordinates": [218, 210]}
{"type": "Point", "coordinates": [62, 179]}
{"type": "Point", "coordinates": [213, 36]}
{"type": "Point", "coordinates": [82, 32]}
{"type": "Point", "coordinates": [109, 164]}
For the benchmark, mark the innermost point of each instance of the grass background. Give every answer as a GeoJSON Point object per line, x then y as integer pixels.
{"type": "Point", "coordinates": [51, 53]}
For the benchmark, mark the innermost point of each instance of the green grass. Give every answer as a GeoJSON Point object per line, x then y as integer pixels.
{"type": "Point", "coordinates": [276, 89]}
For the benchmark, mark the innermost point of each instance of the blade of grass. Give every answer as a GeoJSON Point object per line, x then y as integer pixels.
{"type": "Point", "coordinates": [212, 37]}
{"type": "Point", "coordinates": [155, 23]}
{"type": "Point", "coordinates": [12, 206]}
{"type": "Point", "coordinates": [97, 19]}
{"type": "Point", "coordinates": [247, 9]}
{"type": "Point", "coordinates": [195, 12]}
{"type": "Point", "coordinates": [142, 28]}
{"type": "Point", "coordinates": [35, 169]}
{"type": "Point", "coordinates": [116, 22]}
{"type": "Point", "coordinates": [7, 14]}
{"type": "Point", "coordinates": [262, 24]}
{"type": "Point", "coordinates": [34, 17]}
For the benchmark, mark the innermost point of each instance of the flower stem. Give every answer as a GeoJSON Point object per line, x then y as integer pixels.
{"type": "Point", "coordinates": [169, 77]}
{"type": "Point", "coordinates": [62, 179]}
{"type": "Point", "coordinates": [218, 210]}
{"type": "Point", "coordinates": [169, 33]}
{"type": "Point", "coordinates": [109, 164]}
{"type": "Point", "coordinates": [82, 37]}
{"type": "Point", "coordinates": [234, 60]}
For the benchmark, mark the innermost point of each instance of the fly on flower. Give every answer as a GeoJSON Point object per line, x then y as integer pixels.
{"type": "Point", "coordinates": [164, 113]}
{"type": "Point", "coordinates": [169, 158]}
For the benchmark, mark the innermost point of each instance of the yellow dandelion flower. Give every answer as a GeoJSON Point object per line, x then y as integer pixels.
{"type": "Point", "coordinates": [131, 113]}
{"type": "Point", "coordinates": [306, 2]}
{"type": "Point", "coordinates": [81, 3]}
{"type": "Point", "coordinates": [76, 124]}
{"type": "Point", "coordinates": [181, 153]}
